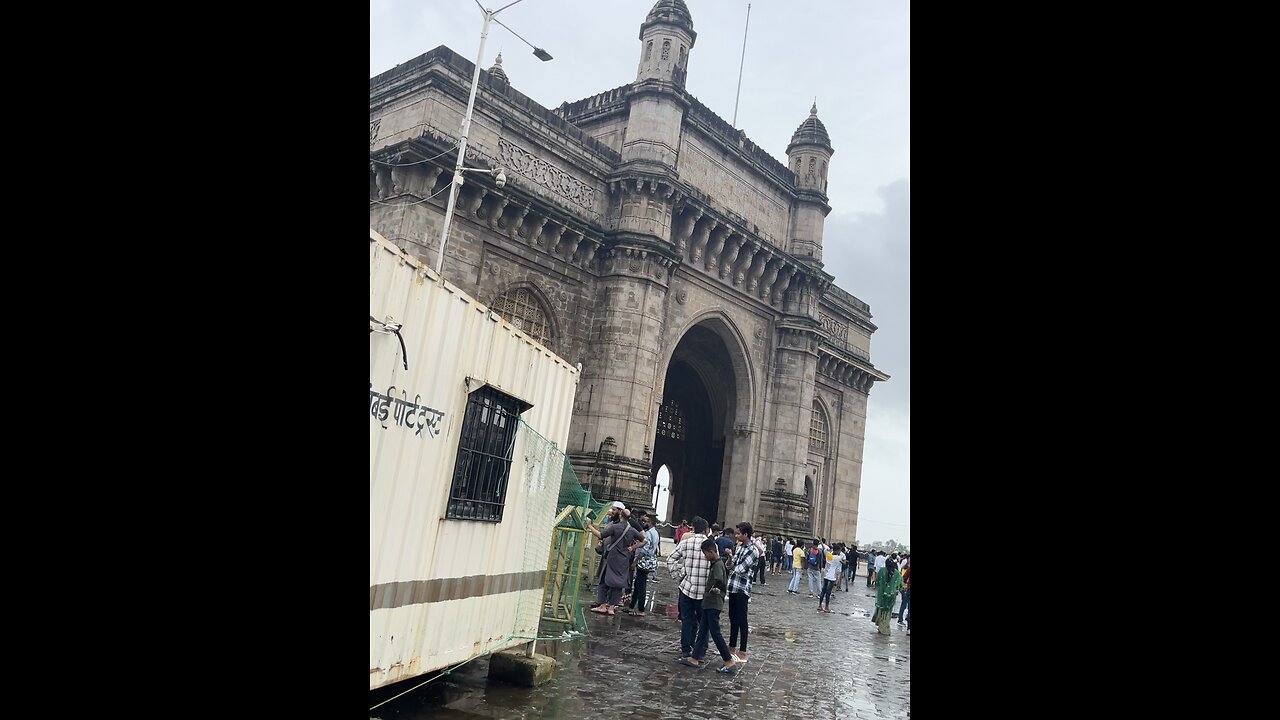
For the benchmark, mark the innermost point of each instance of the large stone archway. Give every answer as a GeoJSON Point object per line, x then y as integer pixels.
{"type": "Point", "coordinates": [700, 434]}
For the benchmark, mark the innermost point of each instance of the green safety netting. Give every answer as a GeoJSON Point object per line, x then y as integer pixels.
{"type": "Point", "coordinates": [570, 558]}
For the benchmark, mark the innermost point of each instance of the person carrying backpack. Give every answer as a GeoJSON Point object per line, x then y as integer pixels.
{"type": "Point", "coordinates": [815, 560]}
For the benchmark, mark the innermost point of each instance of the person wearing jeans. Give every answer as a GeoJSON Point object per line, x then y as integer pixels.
{"type": "Point", "coordinates": [712, 604]}
{"type": "Point", "coordinates": [829, 578]}
{"type": "Point", "coordinates": [748, 555]}
{"type": "Point", "coordinates": [816, 573]}
{"type": "Point", "coordinates": [906, 596]}
{"type": "Point", "coordinates": [647, 556]}
{"type": "Point", "coordinates": [797, 567]}
{"type": "Point", "coordinates": [688, 564]}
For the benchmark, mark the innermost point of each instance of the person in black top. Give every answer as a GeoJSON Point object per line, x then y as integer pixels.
{"type": "Point", "coordinates": [724, 540]}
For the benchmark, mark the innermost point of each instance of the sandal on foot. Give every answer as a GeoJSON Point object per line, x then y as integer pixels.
{"type": "Point", "coordinates": [690, 663]}
{"type": "Point", "coordinates": [728, 669]}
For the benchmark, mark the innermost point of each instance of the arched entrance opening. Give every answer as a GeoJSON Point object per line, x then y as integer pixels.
{"type": "Point", "coordinates": [699, 401]}
{"type": "Point", "coordinates": [662, 495]}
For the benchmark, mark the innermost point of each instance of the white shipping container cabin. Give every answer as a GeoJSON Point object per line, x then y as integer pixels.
{"type": "Point", "coordinates": [443, 589]}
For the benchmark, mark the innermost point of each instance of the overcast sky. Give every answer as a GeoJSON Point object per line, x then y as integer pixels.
{"type": "Point", "coordinates": [853, 55]}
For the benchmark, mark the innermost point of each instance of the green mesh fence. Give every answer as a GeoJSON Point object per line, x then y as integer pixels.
{"type": "Point", "coordinates": [567, 554]}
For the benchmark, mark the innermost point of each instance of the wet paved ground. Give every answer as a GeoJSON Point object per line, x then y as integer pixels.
{"type": "Point", "coordinates": [803, 665]}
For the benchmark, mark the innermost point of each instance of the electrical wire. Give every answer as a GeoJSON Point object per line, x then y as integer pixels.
{"type": "Point", "coordinates": [404, 354]}
{"type": "Point", "coordinates": [415, 162]}
{"type": "Point", "coordinates": [416, 202]}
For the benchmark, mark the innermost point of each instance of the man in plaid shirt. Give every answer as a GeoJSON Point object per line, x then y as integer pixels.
{"type": "Point", "coordinates": [688, 565]}
{"type": "Point", "coordinates": [746, 555]}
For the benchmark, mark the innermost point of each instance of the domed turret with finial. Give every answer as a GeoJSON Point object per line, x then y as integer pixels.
{"type": "Point", "coordinates": [666, 39]}
{"type": "Point", "coordinates": [497, 73]}
{"type": "Point", "coordinates": [809, 153]}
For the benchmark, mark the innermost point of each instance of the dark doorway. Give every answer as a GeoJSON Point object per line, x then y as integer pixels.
{"type": "Point", "coordinates": [697, 398]}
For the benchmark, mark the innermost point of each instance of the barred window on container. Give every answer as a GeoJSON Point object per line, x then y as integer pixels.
{"type": "Point", "coordinates": [479, 489]}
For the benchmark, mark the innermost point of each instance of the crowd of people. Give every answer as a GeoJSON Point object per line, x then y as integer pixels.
{"type": "Point", "coordinates": [716, 566]}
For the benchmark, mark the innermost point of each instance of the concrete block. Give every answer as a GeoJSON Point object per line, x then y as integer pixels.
{"type": "Point", "coordinates": [512, 666]}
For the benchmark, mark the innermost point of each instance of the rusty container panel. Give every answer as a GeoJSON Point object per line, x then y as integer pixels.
{"type": "Point", "coordinates": [443, 590]}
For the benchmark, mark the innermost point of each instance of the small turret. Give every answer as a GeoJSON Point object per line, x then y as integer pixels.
{"type": "Point", "coordinates": [497, 73]}
{"type": "Point", "coordinates": [666, 38]}
{"type": "Point", "coordinates": [808, 155]}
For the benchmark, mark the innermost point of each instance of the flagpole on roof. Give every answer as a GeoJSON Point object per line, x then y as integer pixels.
{"type": "Point", "coordinates": [740, 66]}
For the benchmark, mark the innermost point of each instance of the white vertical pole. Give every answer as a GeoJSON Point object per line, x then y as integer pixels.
{"type": "Point", "coordinates": [462, 148]}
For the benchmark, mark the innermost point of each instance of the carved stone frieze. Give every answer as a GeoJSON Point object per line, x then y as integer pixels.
{"type": "Point", "coordinates": [544, 173]}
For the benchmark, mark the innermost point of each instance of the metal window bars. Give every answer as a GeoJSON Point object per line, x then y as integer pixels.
{"type": "Point", "coordinates": [483, 465]}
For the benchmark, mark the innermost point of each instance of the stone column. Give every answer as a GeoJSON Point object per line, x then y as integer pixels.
{"type": "Point", "coordinates": [616, 393]}
{"type": "Point", "coordinates": [788, 406]}
{"type": "Point", "coordinates": [739, 494]}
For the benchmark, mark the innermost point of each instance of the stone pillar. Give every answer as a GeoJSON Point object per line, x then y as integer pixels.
{"type": "Point", "coordinates": [616, 393]}
{"type": "Point", "coordinates": [788, 408]}
{"type": "Point", "coordinates": [738, 494]}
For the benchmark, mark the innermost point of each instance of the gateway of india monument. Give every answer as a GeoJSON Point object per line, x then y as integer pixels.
{"type": "Point", "coordinates": [641, 235]}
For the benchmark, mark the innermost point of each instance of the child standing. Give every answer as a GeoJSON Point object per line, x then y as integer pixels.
{"type": "Point", "coordinates": [712, 604]}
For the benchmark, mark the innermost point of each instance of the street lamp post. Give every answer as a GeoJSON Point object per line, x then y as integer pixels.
{"type": "Point", "coordinates": [458, 169]}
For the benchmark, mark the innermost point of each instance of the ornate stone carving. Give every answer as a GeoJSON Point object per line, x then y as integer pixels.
{"type": "Point", "coordinates": [759, 333]}
{"type": "Point", "coordinates": [835, 328]}
{"type": "Point", "coordinates": [373, 130]}
{"type": "Point", "coordinates": [682, 296]}
{"type": "Point", "coordinates": [545, 174]}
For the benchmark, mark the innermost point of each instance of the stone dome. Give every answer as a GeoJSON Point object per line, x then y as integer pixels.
{"type": "Point", "coordinates": [671, 11]}
{"type": "Point", "coordinates": [811, 132]}
{"type": "Point", "coordinates": [497, 73]}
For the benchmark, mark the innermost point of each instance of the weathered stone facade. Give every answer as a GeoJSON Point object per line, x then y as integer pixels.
{"type": "Point", "coordinates": [641, 235]}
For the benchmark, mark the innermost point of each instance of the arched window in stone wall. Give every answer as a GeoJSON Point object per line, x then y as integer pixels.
{"type": "Point", "coordinates": [520, 307]}
{"type": "Point", "coordinates": [681, 56]}
{"type": "Point", "coordinates": [648, 51]}
{"type": "Point", "coordinates": [813, 166]}
{"type": "Point", "coordinates": [666, 49]}
{"type": "Point", "coordinates": [808, 486]}
{"type": "Point", "coordinates": [818, 430]}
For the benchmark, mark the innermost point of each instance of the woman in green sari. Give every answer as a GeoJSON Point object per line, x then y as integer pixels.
{"type": "Point", "coordinates": [887, 586]}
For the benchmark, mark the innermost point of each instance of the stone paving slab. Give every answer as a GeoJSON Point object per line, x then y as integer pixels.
{"type": "Point", "coordinates": [803, 665]}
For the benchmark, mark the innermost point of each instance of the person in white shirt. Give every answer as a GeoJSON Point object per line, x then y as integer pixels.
{"type": "Point", "coordinates": [830, 573]}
